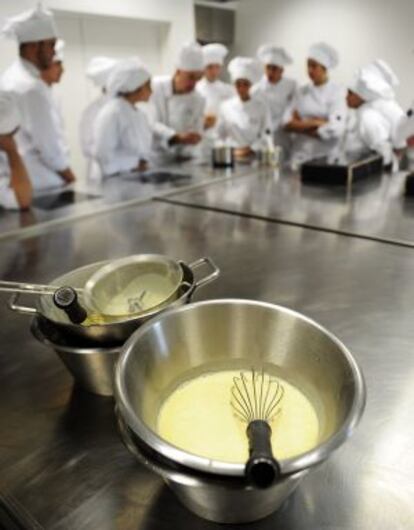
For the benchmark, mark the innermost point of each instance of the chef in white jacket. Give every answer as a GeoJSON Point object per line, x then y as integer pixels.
{"type": "Point", "coordinates": [178, 109]}
{"type": "Point", "coordinates": [52, 76]}
{"type": "Point", "coordinates": [15, 185]}
{"type": "Point", "coordinates": [369, 130]}
{"type": "Point", "coordinates": [276, 89]}
{"type": "Point", "coordinates": [122, 138]}
{"type": "Point", "coordinates": [405, 128]}
{"type": "Point", "coordinates": [244, 120]}
{"type": "Point", "coordinates": [387, 105]}
{"type": "Point", "coordinates": [98, 70]}
{"type": "Point", "coordinates": [317, 115]}
{"type": "Point", "coordinates": [211, 87]}
{"type": "Point", "coordinates": [37, 138]}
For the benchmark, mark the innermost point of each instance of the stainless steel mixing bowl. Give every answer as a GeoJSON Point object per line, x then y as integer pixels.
{"type": "Point", "coordinates": [233, 334]}
{"type": "Point", "coordinates": [92, 367]}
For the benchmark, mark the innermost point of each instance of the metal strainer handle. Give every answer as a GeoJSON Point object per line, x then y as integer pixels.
{"type": "Point", "coordinates": [32, 288]}
{"type": "Point", "coordinates": [210, 277]}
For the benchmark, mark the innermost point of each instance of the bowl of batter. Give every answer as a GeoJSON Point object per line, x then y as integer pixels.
{"type": "Point", "coordinates": [173, 393]}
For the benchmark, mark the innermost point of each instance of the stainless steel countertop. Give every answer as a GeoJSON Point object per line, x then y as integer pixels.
{"type": "Point", "coordinates": [376, 208]}
{"type": "Point", "coordinates": [112, 193]}
{"type": "Point", "coordinates": [60, 456]}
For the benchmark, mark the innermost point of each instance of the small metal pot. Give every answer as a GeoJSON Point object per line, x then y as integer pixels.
{"type": "Point", "coordinates": [233, 334]}
{"type": "Point", "coordinates": [115, 331]}
{"type": "Point", "coordinates": [270, 157]}
{"type": "Point", "coordinates": [222, 157]}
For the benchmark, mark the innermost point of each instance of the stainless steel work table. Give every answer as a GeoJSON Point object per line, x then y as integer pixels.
{"type": "Point", "coordinates": [375, 208]}
{"type": "Point", "coordinates": [51, 207]}
{"type": "Point", "coordinates": [62, 463]}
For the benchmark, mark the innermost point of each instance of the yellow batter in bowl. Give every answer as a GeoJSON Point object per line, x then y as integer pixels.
{"type": "Point", "coordinates": [197, 417]}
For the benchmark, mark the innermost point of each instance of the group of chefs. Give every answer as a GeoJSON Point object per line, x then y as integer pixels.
{"type": "Point", "coordinates": [137, 118]}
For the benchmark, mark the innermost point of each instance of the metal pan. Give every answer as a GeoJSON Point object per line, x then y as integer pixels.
{"type": "Point", "coordinates": [111, 331]}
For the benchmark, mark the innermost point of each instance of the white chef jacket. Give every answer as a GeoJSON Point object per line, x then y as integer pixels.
{"type": "Point", "coordinates": [393, 113]}
{"type": "Point", "coordinates": [175, 113]}
{"type": "Point", "coordinates": [7, 196]}
{"type": "Point", "coordinates": [86, 124]}
{"type": "Point", "coordinates": [277, 96]}
{"type": "Point", "coordinates": [243, 122]}
{"type": "Point", "coordinates": [121, 137]}
{"type": "Point", "coordinates": [214, 93]}
{"type": "Point", "coordinates": [38, 138]}
{"type": "Point", "coordinates": [59, 121]}
{"type": "Point", "coordinates": [327, 101]}
{"type": "Point", "coordinates": [369, 130]}
{"type": "Point", "coordinates": [86, 127]}
{"type": "Point", "coordinates": [405, 127]}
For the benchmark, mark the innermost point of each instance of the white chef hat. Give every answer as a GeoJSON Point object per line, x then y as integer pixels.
{"type": "Point", "coordinates": [269, 54]}
{"type": "Point", "coordinates": [190, 58]}
{"type": "Point", "coordinates": [59, 53]}
{"type": "Point", "coordinates": [324, 54]}
{"type": "Point", "coordinates": [127, 76]}
{"type": "Point", "coordinates": [31, 26]}
{"type": "Point", "coordinates": [214, 53]}
{"type": "Point", "coordinates": [99, 69]}
{"type": "Point", "coordinates": [244, 68]}
{"type": "Point", "coordinates": [386, 72]}
{"type": "Point", "coordinates": [9, 113]}
{"type": "Point", "coordinates": [369, 84]}
{"type": "Point", "coordinates": [375, 80]}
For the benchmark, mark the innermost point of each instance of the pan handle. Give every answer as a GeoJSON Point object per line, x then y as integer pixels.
{"type": "Point", "coordinates": [22, 309]}
{"type": "Point", "coordinates": [210, 277]}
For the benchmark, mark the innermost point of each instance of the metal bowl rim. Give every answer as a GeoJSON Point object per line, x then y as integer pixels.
{"type": "Point", "coordinates": [100, 273]}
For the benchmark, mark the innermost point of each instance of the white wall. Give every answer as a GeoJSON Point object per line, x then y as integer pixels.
{"type": "Point", "coordinates": [361, 30]}
{"type": "Point", "coordinates": [152, 29]}
{"type": "Point", "coordinates": [179, 14]}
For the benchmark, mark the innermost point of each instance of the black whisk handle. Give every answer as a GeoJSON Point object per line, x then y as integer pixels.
{"type": "Point", "coordinates": [262, 469]}
{"type": "Point", "coordinates": [66, 298]}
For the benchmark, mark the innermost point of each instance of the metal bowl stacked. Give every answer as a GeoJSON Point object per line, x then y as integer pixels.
{"type": "Point", "coordinates": [91, 351]}
{"type": "Point", "coordinates": [232, 334]}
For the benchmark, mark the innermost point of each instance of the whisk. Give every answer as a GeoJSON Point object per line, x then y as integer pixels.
{"type": "Point", "coordinates": [255, 399]}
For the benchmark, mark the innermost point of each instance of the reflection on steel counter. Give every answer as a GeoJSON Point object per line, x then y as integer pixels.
{"type": "Point", "coordinates": [159, 177]}
{"type": "Point", "coordinates": [60, 199]}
